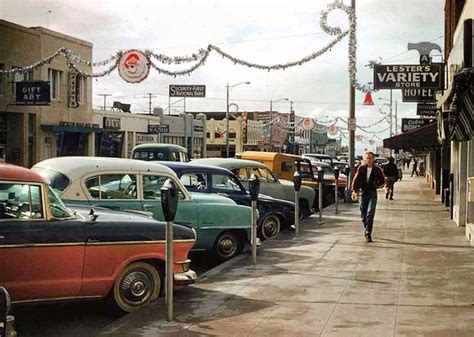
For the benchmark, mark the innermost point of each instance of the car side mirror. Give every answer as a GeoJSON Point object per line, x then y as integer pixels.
{"type": "Point", "coordinates": [169, 199]}
{"type": "Point", "coordinates": [254, 187]}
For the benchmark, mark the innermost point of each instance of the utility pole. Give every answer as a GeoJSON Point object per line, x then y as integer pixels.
{"type": "Point", "coordinates": [149, 102]}
{"type": "Point", "coordinates": [105, 100]}
{"type": "Point", "coordinates": [396, 118]}
{"type": "Point", "coordinates": [227, 124]}
{"type": "Point", "coordinates": [351, 117]}
{"type": "Point", "coordinates": [291, 129]}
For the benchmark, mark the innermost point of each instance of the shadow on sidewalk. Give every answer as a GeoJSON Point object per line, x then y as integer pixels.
{"type": "Point", "coordinates": [425, 244]}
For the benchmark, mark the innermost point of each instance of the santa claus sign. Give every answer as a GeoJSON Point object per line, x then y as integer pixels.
{"type": "Point", "coordinates": [134, 66]}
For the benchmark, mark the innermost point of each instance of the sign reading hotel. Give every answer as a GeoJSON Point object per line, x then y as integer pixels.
{"type": "Point", "coordinates": [187, 91]}
{"type": "Point", "coordinates": [418, 95]}
{"type": "Point", "coordinates": [394, 76]}
{"type": "Point", "coordinates": [32, 93]}
{"type": "Point", "coordinates": [409, 124]}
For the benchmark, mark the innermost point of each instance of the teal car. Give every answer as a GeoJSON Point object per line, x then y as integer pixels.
{"type": "Point", "coordinates": [222, 226]}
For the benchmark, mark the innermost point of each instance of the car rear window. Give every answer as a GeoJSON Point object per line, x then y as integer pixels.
{"type": "Point", "coordinates": [56, 180]}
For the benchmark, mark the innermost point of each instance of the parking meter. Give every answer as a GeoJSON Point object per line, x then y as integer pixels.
{"type": "Point", "coordinates": [169, 204]}
{"type": "Point", "coordinates": [297, 183]}
{"type": "Point", "coordinates": [336, 185]}
{"type": "Point", "coordinates": [347, 170]}
{"type": "Point", "coordinates": [321, 187]}
{"type": "Point", "coordinates": [4, 309]}
{"type": "Point", "coordinates": [169, 199]}
{"type": "Point", "coordinates": [254, 188]}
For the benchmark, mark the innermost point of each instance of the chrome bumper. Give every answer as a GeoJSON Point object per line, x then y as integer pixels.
{"type": "Point", "coordinates": [185, 278]}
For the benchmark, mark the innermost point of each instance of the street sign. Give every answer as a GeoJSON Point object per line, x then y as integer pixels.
{"type": "Point", "coordinates": [351, 124]}
{"type": "Point", "coordinates": [395, 76]}
{"type": "Point", "coordinates": [426, 109]}
{"type": "Point", "coordinates": [158, 128]}
{"type": "Point", "coordinates": [418, 95]}
{"type": "Point", "coordinates": [187, 91]}
{"type": "Point", "coordinates": [32, 93]}
{"type": "Point", "coordinates": [409, 124]}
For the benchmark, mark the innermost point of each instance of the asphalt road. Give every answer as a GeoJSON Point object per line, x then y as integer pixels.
{"type": "Point", "coordinates": [84, 318]}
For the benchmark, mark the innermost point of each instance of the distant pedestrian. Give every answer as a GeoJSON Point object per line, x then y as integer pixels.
{"type": "Point", "coordinates": [391, 176]}
{"type": "Point", "coordinates": [367, 180]}
{"type": "Point", "coordinates": [415, 168]}
{"type": "Point", "coordinates": [408, 163]}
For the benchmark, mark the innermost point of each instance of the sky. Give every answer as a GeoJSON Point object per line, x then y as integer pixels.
{"type": "Point", "coordinates": [260, 31]}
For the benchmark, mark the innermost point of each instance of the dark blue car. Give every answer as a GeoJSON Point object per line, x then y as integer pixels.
{"type": "Point", "coordinates": [274, 214]}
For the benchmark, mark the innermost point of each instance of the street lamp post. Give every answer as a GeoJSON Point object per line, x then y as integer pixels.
{"type": "Point", "coordinates": [271, 118]}
{"type": "Point", "coordinates": [227, 116]}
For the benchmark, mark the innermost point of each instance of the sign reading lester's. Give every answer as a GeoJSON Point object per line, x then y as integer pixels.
{"type": "Point", "coordinates": [393, 76]}
{"type": "Point", "coordinates": [32, 93]}
{"type": "Point", "coordinates": [187, 91]}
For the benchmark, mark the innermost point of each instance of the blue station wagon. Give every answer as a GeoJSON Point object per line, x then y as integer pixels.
{"type": "Point", "coordinates": [275, 214]}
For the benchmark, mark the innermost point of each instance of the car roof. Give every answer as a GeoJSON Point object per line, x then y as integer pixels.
{"type": "Point", "coordinates": [180, 166]}
{"type": "Point", "coordinates": [320, 163]}
{"type": "Point", "coordinates": [75, 167]}
{"type": "Point", "coordinates": [230, 162]}
{"type": "Point", "coordinates": [318, 155]}
{"type": "Point", "coordinates": [157, 146]}
{"type": "Point", "coordinates": [14, 172]}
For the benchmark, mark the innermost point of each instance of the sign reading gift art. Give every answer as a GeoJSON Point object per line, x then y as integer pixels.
{"type": "Point", "coordinates": [32, 93]}
{"type": "Point", "coordinates": [395, 76]}
{"type": "Point", "coordinates": [134, 66]}
{"type": "Point", "coordinates": [409, 124]}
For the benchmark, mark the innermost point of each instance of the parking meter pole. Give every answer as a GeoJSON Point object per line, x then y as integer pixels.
{"type": "Point", "coordinates": [297, 214]}
{"type": "Point", "coordinates": [254, 232]}
{"type": "Point", "coordinates": [320, 202]}
{"type": "Point", "coordinates": [169, 271]}
{"type": "Point", "coordinates": [169, 205]}
{"type": "Point", "coordinates": [336, 175]}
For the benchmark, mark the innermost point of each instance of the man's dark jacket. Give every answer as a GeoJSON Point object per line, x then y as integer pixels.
{"type": "Point", "coordinates": [391, 170]}
{"type": "Point", "coordinates": [376, 179]}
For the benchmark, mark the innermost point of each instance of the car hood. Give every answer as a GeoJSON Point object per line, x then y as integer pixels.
{"type": "Point", "coordinates": [206, 198]}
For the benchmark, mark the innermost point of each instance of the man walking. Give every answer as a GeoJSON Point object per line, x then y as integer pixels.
{"type": "Point", "coordinates": [366, 181]}
{"type": "Point", "coordinates": [391, 176]}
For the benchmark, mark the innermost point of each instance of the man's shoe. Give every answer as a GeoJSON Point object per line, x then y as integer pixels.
{"type": "Point", "coordinates": [391, 198]}
{"type": "Point", "coordinates": [369, 238]}
{"type": "Point", "coordinates": [366, 234]}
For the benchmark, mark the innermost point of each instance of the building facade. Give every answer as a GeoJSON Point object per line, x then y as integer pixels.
{"type": "Point", "coordinates": [29, 134]}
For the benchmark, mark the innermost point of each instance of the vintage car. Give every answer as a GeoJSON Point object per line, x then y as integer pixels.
{"type": "Point", "coordinates": [159, 151]}
{"type": "Point", "coordinates": [128, 184]}
{"type": "Point", "coordinates": [320, 157]}
{"type": "Point", "coordinates": [330, 176]}
{"type": "Point", "coordinates": [284, 165]}
{"type": "Point", "coordinates": [50, 252]}
{"type": "Point", "coordinates": [269, 184]}
{"type": "Point", "coordinates": [275, 214]}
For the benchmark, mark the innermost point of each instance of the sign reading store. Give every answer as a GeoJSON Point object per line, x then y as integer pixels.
{"type": "Point", "coordinates": [393, 76]}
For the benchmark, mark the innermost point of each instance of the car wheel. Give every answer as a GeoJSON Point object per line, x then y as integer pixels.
{"type": "Point", "coordinates": [227, 246]}
{"type": "Point", "coordinates": [138, 284]}
{"type": "Point", "coordinates": [270, 226]}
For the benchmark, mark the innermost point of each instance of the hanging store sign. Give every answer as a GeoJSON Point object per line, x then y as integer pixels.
{"type": "Point", "coordinates": [426, 109]}
{"type": "Point", "coordinates": [418, 95]}
{"type": "Point", "coordinates": [409, 124]}
{"type": "Point", "coordinates": [32, 93]}
{"type": "Point", "coordinates": [393, 76]}
{"type": "Point", "coordinates": [158, 128]}
{"type": "Point", "coordinates": [187, 91]}
{"type": "Point", "coordinates": [112, 123]}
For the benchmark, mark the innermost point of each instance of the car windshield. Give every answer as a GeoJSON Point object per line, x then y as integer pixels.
{"type": "Point", "coordinates": [57, 207]}
{"type": "Point", "coordinates": [55, 179]}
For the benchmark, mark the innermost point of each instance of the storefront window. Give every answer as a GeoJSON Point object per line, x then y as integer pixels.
{"type": "Point", "coordinates": [71, 144]}
{"type": "Point", "coordinates": [109, 144]}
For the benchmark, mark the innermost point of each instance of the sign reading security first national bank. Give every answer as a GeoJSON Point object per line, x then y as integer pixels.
{"type": "Point", "coordinates": [394, 76]}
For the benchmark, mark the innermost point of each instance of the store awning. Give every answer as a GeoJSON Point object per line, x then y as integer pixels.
{"type": "Point", "coordinates": [69, 128]}
{"type": "Point", "coordinates": [424, 137]}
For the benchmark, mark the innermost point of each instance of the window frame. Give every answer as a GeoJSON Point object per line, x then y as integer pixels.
{"type": "Point", "coordinates": [44, 216]}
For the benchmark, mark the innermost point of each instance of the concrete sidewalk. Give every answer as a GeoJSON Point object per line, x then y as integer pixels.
{"type": "Point", "coordinates": [415, 279]}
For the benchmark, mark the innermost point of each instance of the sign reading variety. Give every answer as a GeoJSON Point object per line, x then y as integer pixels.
{"type": "Point", "coordinates": [392, 76]}
{"type": "Point", "coordinates": [409, 124]}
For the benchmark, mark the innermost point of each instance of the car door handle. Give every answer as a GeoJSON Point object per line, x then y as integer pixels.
{"type": "Point", "coordinates": [92, 240]}
{"type": "Point", "coordinates": [148, 206]}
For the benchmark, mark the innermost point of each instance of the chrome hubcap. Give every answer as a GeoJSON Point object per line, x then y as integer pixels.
{"type": "Point", "coordinates": [227, 246]}
{"type": "Point", "coordinates": [136, 286]}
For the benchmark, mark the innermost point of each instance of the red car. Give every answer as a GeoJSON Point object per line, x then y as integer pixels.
{"type": "Point", "coordinates": [50, 252]}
